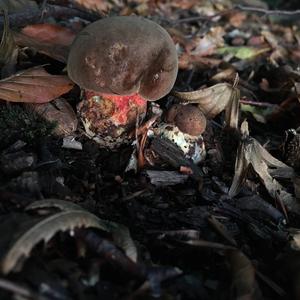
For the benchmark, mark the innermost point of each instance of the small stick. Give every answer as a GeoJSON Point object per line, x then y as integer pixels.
{"type": "Point", "coordinates": [266, 11]}
{"type": "Point", "coordinates": [33, 16]}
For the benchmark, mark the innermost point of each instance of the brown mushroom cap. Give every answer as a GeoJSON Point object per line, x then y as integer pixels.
{"type": "Point", "coordinates": [190, 119]}
{"type": "Point", "coordinates": [124, 55]}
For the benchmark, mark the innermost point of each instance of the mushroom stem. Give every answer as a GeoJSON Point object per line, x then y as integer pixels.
{"type": "Point", "coordinates": [110, 118]}
{"type": "Point", "coordinates": [120, 108]}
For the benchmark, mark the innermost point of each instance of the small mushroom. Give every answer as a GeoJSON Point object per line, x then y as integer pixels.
{"type": "Point", "coordinates": [184, 125]}
{"type": "Point", "coordinates": [120, 63]}
{"type": "Point", "coordinates": [190, 119]}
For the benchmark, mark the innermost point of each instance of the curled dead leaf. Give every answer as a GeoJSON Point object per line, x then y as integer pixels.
{"type": "Point", "coordinates": [34, 85]}
{"type": "Point", "coordinates": [267, 167]}
{"type": "Point", "coordinates": [68, 217]}
{"type": "Point", "coordinates": [44, 230]}
{"type": "Point", "coordinates": [211, 100]}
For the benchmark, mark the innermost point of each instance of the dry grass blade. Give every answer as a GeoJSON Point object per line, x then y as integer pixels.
{"type": "Point", "coordinates": [34, 86]}
{"type": "Point", "coordinates": [45, 230]}
{"type": "Point", "coordinates": [211, 100]}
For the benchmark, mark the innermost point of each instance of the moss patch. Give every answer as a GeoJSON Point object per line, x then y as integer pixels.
{"type": "Point", "coordinates": [17, 123]}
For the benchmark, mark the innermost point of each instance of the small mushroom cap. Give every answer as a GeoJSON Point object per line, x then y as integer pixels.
{"type": "Point", "coordinates": [124, 55]}
{"type": "Point", "coordinates": [190, 119]}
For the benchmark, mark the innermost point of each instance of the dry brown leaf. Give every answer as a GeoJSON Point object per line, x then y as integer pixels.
{"type": "Point", "coordinates": [243, 286]}
{"type": "Point", "coordinates": [267, 167]}
{"type": "Point", "coordinates": [207, 44]}
{"type": "Point", "coordinates": [188, 61]}
{"type": "Point", "coordinates": [211, 100]}
{"type": "Point", "coordinates": [237, 19]}
{"type": "Point", "coordinates": [34, 85]}
{"type": "Point", "coordinates": [58, 52]}
{"type": "Point", "coordinates": [99, 6]}
{"type": "Point", "coordinates": [58, 111]}
{"type": "Point", "coordinates": [50, 33]}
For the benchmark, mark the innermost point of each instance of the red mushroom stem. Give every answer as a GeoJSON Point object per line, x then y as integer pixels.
{"type": "Point", "coordinates": [122, 106]}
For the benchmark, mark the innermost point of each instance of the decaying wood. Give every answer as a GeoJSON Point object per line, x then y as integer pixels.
{"type": "Point", "coordinates": [165, 178]}
{"type": "Point", "coordinates": [171, 154]}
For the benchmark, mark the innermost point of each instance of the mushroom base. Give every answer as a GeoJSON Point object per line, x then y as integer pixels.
{"type": "Point", "coordinates": [109, 119]}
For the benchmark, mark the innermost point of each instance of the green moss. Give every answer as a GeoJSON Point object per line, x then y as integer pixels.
{"type": "Point", "coordinates": [17, 123]}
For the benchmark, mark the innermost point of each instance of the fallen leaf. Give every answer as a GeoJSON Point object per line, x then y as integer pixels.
{"type": "Point", "coordinates": [207, 44]}
{"type": "Point", "coordinates": [50, 33]}
{"type": "Point", "coordinates": [56, 51]}
{"type": "Point", "coordinates": [188, 61]}
{"type": "Point", "coordinates": [69, 217]}
{"type": "Point", "coordinates": [99, 6]}
{"type": "Point", "coordinates": [58, 111]}
{"type": "Point", "coordinates": [121, 234]}
{"type": "Point", "coordinates": [44, 230]}
{"type": "Point", "coordinates": [267, 167]}
{"type": "Point", "coordinates": [237, 19]}
{"type": "Point", "coordinates": [211, 100]}
{"type": "Point", "coordinates": [34, 85]}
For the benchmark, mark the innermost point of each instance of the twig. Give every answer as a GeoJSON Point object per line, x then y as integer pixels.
{"type": "Point", "coordinates": [33, 16]}
{"type": "Point", "coordinates": [257, 103]}
{"type": "Point", "coordinates": [263, 11]}
{"type": "Point", "coordinates": [19, 290]}
{"type": "Point", "coordinates": [202, 17]}
{"type": "Point", "coordinates": [266, 11]}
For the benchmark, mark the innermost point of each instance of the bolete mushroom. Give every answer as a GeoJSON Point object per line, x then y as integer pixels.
{"type": "Point", "coordinates": [120, 63]}
{"type": "Point", "coordinates": [184, 125]}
